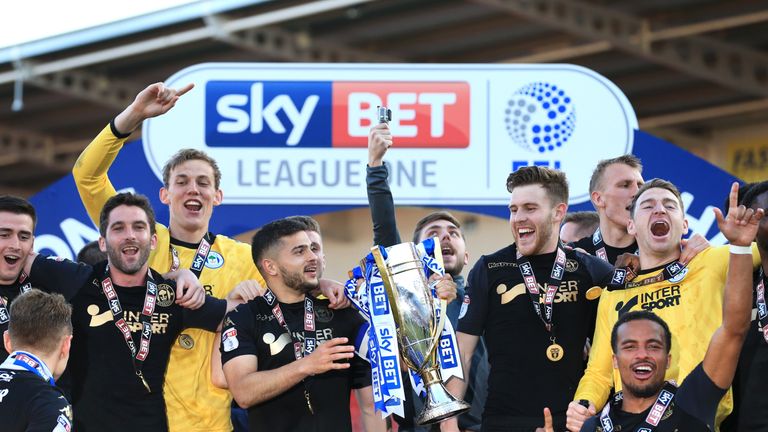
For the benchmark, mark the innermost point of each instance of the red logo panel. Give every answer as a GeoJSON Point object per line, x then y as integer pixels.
{"type": "Point", "coordinates": [424, 114]}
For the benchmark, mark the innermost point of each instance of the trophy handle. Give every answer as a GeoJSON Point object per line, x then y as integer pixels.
{"type": "Point", "coordinates": [436, 337]}
{"type": "Point", "coordinates": [443, 306]}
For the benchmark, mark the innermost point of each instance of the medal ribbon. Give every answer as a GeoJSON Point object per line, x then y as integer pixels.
{"type": "Point", "coordinates": [550, 289]}
{"type": "Point", "coordinates": [663, 401]}
{"type": "Point", "coordinates": [310, 341]}
{"type": "Point", "coordinates": [597, 241]}
{"type": "Point", "coordinates": [620, 274]}
{"type": "Point", "coordinates": [762, 309]}
{"type": "Point", "coordinates": [28, 361]}
{"type": "Point", "coordinates": [5, 316]}
{"type": "Point", "coordinates": [670, 270]}
{"type": "Point", "coordinates": [138, 355]}
{"type": "Point", "coordinates": [201, 256]}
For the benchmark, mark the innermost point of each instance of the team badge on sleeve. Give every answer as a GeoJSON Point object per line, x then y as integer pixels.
{"type": "Point", "coordinates": [229, 340]}
{"type": "Point", "coordinates": [464, 306]}
{"type": "Point", "coordinates": [62, 424]}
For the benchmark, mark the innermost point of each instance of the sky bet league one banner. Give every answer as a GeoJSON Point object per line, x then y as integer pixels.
{"type": "Point", "coordinates": [292, 139]}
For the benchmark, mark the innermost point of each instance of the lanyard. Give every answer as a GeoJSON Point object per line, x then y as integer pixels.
{"type": "Point", "coordinates": [762, 310]}
{"type": "Point", "coordinates": [5, 316]}
{"type": "Point", "coordinates": [31, 363]}
{"type": "Point", "coordinates": [137, 355]}
{"type": "Point", "coordinates": [670, 270]}
{"type": "Point", "coordinates": [600, 246]}
{"type": "Point", "coordinates": [663, 401]}
{"type": "Point", "coordinates": [597, 241]}
{"type": "Point", "coordinates": [201, 256]}
{"type": "Point", "coordinates": [310, 342]}
{"type": "Point", "coordinates": [550, 289]}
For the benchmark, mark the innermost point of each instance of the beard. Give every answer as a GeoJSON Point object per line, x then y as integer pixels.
{"type": "Point", "coordinates": [116, 259]}
{"type": "Point", "coordinates": [645, 391]}
{"type": "Point", "coordinates": [543, 235]}
{"type": "Point", "coordinates": [296, 281]}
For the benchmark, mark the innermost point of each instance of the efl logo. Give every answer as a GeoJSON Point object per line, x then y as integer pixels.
{"type": "Point", "coordinates": [334, 114]}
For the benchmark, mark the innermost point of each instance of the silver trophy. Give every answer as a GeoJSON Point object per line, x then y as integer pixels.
{"type": "Point", "coordinates": [418, 329]}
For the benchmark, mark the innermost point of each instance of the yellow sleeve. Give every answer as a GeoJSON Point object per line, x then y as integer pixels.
{"type": "Point", "coordinates": [596, 384]}
{"type": "Point", "coordinates": [755, 256]}
{"type": "Point", "coordinates": [720, 255]}
{"type": "Point", "coordinates": [90, 171]}
{"type": "Point", "coordinates": [253, 273]}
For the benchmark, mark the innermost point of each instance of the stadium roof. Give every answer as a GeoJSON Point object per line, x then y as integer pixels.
{"type": "Point", "coordinates": [688, 66]}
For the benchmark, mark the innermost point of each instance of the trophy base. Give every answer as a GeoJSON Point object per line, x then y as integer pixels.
{"type": "Point", "coordinates": [440, 405]}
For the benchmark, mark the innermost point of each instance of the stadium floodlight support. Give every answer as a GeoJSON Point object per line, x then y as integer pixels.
{"type": "Point", "coordinates": [180, 38]}
{"type": "Point", "coordinates": [740, 68]}
{"type": "Point", "coordinates": [285, 45]}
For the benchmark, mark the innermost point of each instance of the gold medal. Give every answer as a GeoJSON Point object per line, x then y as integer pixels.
{"type": "Point", "coordinates": [555, 352]}
{"type": "Point", "coordinates": [593, 293]}
{"type": "Point", "coordinates": [186, 341]}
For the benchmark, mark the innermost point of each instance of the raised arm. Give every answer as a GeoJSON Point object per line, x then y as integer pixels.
{"type": "Point", "coordinates": [595, 385]}
{"type": "Point", "coordinates": [379, 195]}
{"type": "Point", "coordinates": [90, 170]}
{"type": "Point", "coordinates": [740, 228]}
{"type": "Point", "coordinates": [155, 100]}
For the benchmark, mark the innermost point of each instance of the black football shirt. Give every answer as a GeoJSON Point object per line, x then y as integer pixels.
{"type": "Point", "coordinates": [107, 394]}
{"type": "Point", "coordinates": [48, 274]}
{"type": "Point", "coordinates": [613, 253]}
{"type": "Point", "coordinates": [692, 409]}
{"type": "Point", "coordinates": [522, 379]}
{"type": "Point", "coordinates": [751, 406]}
{"type": "Point", "coordinates": [28, 403]}
{"type": "Point", "coordinates": [251, 329]}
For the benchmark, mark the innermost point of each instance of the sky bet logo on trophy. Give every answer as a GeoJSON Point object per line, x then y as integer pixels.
{"type": "Point", "coordinates": [397, 299]}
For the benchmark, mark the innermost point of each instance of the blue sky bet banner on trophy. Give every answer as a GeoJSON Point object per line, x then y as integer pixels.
{"type": "Point", "coordinates": [291, 139]}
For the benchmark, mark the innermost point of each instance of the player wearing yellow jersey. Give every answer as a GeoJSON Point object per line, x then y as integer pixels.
{"type": "Point", "coordinates": [689, 298]}
{"type": "Point", "coordinates": [191, 190]}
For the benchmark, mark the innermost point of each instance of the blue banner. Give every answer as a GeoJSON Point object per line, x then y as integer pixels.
{"type": "Point", "coordinates": [64, 227]}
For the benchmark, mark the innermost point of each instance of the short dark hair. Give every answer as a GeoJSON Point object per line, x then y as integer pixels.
{"type": "Point", "coordinates": [271, 235]}
{"type": "Point", "coordinates": [432, 217]}
{"type": "Point", "coordinates": [39, 320]}
{"type": "Point", "coordinates": [310, 224]}
{"type": "Point", "coordinates": [185, 155]}
{"type": "Point", "coordinates": [588, 221]}
{"type": "Point", "coordinates": [91, 254]}
{"type": "Point", "coordinates": [128, 199]}
{"type": "Point", "coordinates": [553, 181]}
{"type": "Point", "coordinates": [18, 205]}
{"type": "Point", "coordinates": [582, 217]}
{"type": "Point", "coordinates": [660, 184]}
{"type": "Point", "coordinates": [640, 315]}
{"type": "Point", "coordinates": [597, 175]}
{"type": "Point", "coordinates": [751, 192]}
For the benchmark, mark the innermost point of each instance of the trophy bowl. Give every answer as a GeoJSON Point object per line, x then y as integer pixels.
{"type": "Point", "coordinates": [418, 327]}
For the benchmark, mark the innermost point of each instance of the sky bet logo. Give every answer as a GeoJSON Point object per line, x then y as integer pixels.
{"type": "Point", "coordinates": [334, 114]}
